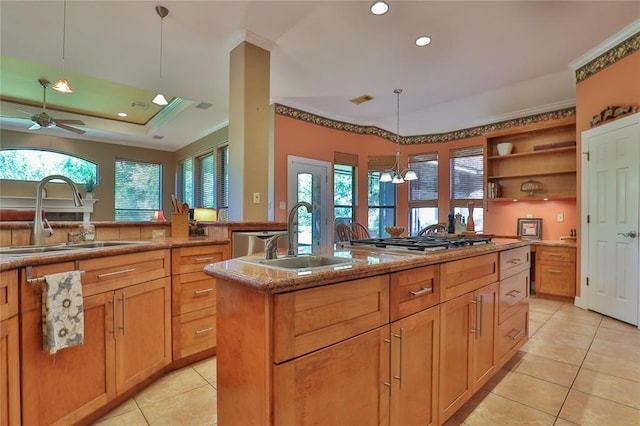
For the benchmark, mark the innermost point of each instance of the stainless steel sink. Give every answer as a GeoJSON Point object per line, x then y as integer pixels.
{"type": "Point", "coordinates": [303, 262]}
{"type": "Point", "coordinates": [94, 244]}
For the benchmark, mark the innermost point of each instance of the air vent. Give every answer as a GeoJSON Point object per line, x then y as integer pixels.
{"type": "Point", "coordinates": [140, 104]}
{"type": "Point", "coordinates": [157, 137]}
{"type": "Point", "coordinates": [361, 99]}
{"type": "Point", "coordinates": [204, 105]}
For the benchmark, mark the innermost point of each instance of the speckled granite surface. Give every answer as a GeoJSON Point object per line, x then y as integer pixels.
{"type": "Point", "coordinates": [368, 262]}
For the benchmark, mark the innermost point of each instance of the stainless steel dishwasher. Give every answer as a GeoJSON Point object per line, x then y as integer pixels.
{"type": "Point", "coordinates": [246, 243]}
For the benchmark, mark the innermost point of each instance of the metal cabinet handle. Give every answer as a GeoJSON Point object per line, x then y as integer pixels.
{"type": "Point", "coordinates": [204, 330]}
{"type": "Point", "coordinates": [630, 234]}
{"type": "Point", "coordinates": [203, 291]}
{"type": "Point", "coordinates": [514, 293]}
{"type": "Point", "coordinates": [109, 274]}
{"type": "Point", "coordinates": [554, 254]}
{"type": "Point", "coordinates": [203, 259]}
{"type": "Point", "coordinates": [518, 334]}
{"type": "Point", "coordinates": [422, 291]}
{"type": "Point", "coordinates": [474, 330]}
{"type": "Point", "coordinates": [554, 271]}
{"type": "Point", "coordinates": [515, 261]}
{"type": "Point", "coordinates": [115, 314]}
{"type": "Point", "coordinates": [401, 337]}
{"type": "Point", "coordinates": [481, 302]}
{"type": "Point", "coordinates": [123, 314]}
{"type": "Point", "coordinates": [390, 342]}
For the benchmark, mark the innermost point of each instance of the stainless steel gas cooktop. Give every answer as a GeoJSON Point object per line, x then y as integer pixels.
{"type": "Point", "coordinates": [425, 243]}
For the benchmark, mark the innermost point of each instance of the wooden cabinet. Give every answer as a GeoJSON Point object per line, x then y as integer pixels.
{"type": "Point", "coordinates": [126, 337]}
{"type": "Point", "coordinates": [556, 271]}
{"type": "Point", "coordinates": [9, 350]}
{"type": "Point", "coordinates": [543, 152]}
{"type": "Point", "coordinates": [513, 320]}
{"type": "Point", "coordinates": [193, 301]}
{"type": "Point", "coordinates": [468, 346]}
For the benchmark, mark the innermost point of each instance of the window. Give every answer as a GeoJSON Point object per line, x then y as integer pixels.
{"type": "Point", "coordinates": [137, 190]}
{"type": "Point", "coordinates": [205, 173]}
{"type": "Point", "coordinates": [467, 182]}
{"type": "Point", "coordinates": [185, 181]}
{"type": "Point", "coordinates": [203, 181]}
{"type": "Point", "coordinates": [382, 204]}
{"type": "Point", "coordinates": [344, 187]}
{"type": "Point", "coordinates": [222, 176]}
{"type": "Point", "coordinates": [423, 192]}
{"type": "Point", "coordinates": [34, 164]}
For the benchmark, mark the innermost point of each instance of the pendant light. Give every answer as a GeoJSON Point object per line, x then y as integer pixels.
{"type": "Point", "coordinates": [162, 11]}
{"type": "Point", "coordinates": [398, 174]}
{"type": "Point", "coordinates": [63, 85]}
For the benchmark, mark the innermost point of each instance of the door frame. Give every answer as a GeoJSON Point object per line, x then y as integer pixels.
{"type": "Point", "coordinates": [326, 191]}
{"type": "Point", "coordinates": [583, 300]}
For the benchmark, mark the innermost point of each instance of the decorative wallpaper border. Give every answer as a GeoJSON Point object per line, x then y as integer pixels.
{"type": "Point", "coordinates": [610, 57]}
{"type": "Point", "coordinates": [422, 139]}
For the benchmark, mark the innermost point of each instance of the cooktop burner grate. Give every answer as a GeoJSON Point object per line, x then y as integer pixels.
{"type": "Point", "coordinates": [426, 243]}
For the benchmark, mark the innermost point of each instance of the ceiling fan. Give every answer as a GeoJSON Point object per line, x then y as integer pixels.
{"type": "Point", "coordinates": [43, 119]}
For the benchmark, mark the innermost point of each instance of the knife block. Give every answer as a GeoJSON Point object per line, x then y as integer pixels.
{"type": "Point", "coordinates": [180, 225]}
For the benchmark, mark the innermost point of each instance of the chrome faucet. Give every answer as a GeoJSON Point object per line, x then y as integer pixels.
{"type": "Point", "coordinates": [38, 234]}
{"type": "Point", "coordinates": [271, 246]}
{"type": "Point", "coordinates": [292, 224]}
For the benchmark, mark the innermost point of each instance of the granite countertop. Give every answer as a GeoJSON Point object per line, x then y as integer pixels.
{"type": "Point", "coordinates": [367, 262]}
{"type": "Point", "coordinates": [15, 261]}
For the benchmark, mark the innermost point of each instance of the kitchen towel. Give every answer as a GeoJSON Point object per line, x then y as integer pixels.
{"type": "Point", "coordinates": [62, 311]}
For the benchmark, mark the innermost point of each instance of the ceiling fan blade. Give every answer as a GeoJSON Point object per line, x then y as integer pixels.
{"type": "Point", "coordinates": [35, 126]}
{"type": "Point", "coordinates": [77, 122]}
{"type": "Point", "coordinates": [25, 112]}
{"type": "Point", "coordinates": [71, 129]}
{"type": "Point", "coordinates": [17, 118]}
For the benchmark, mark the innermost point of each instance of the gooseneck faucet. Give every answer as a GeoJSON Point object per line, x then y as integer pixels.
{"type": "Point", "coordinates": [292, 224]}
{"type": "Point", "coordinates": [38, 234]}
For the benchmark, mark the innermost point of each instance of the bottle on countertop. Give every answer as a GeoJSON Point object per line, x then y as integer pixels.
{"type": "Point", "coordinates": [459, 226]}
{"type": "Point", "coordinates": [451, 223]}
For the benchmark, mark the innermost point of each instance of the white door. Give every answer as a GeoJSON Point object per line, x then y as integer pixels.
{"type": "Point", "coordinates": [308, 180]}
{"type": "Point", "coordinates": [612, 244]}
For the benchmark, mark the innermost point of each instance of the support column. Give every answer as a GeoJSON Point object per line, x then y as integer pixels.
{"type": "Point", "coordinates": [249, 132]}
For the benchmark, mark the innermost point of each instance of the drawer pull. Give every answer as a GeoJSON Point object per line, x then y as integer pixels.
{"type": "Point", "coordinates": [204, 330]}
{"type": "Point", "coordinates": [515, 261]}
{"type": "Point", "coordinates": [109, 274]}
{"type": "Point", "coordinates": [518, 334]}
{"type": "Point", "coordinates": [424, 290]}
{"type": "Point", "coordinates": [203, 259]}
{"type": "Point", "coordinates": [554, 254]}
{"type": "Point", "coordinates": [514, 293]}
{"type": "Point", "coordinates": [554, 271]}
{"type": "Point", "coordinates": [203, 291]}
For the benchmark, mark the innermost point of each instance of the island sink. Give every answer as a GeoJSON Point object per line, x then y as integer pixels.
{"type": "Point", "coordinates": [302, 261]}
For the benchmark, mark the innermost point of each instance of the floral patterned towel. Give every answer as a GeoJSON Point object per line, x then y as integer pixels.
{"type": "Point", "coordinates": [62, 312]}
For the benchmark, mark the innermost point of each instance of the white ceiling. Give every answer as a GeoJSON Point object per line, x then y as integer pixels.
{"type": "Point", "coordinates": [488, 60]}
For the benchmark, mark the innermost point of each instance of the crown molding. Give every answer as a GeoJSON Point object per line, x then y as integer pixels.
{"type": "Point", "coordinates": [249, 37]}
{"type": "Point", "coordinates": [606, 45]}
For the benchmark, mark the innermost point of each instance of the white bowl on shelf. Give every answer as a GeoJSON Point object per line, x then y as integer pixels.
{"type": "Point", "coordinates": [504, 148]}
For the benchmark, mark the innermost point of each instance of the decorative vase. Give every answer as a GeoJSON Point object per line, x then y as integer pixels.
{"type": "Point", "coordinates": [470, 224]}
{"type": "Point", "coordinates": [504, 148]}
{"type": "Point", "coordinates": [88, 196]}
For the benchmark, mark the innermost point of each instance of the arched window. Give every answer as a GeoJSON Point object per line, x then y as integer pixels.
{"type": "Point", "coordinates": [30, 164]}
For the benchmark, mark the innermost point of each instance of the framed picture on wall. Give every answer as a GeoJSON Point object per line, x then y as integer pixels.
{"type": "Point", "coordinates": [530, 229]}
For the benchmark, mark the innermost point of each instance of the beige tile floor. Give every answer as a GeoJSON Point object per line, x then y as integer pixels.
{"type": "Point", "coordinates": [578, 368]}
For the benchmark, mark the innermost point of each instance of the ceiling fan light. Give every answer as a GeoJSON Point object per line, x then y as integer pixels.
{"type": "Point", "coordinates": [410, 175]}
{"type": "Point", "coordinates": [62, 86]}
{"type": "Point", "coordinates": [159, 99]}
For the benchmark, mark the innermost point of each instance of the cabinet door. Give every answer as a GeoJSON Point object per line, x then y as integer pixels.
{"type": "Point", "coordinates": [9, 373]}
{"type": "Point", "coordinates": [415, 357]}
{"type": "Point", "coordinates": [485, 345]}
{"type": "Point", "coordinates": [143, 338]}
{"type": "Point", "coordinates": [456, 324]}
{"type": "Point", "coordinates": [66, 387]}
{"type": "Point", "coordinates": [556, 278]}
{"type": "Point", "coordinates": [342, 384]}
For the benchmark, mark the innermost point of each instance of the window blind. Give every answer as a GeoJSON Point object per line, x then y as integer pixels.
{"type": "Point", "coordinates": [380, 163]}
{"type": "Point", "coordinates": [467, 173]}
{"type": "Point", "coordinates": [206, 184]}
{"type": "Point", "coordinates": [345, 159]}
{"type": "Point", "coordinates": [426, 168]}
{"type": "Point", "coordinates": [222, 177]}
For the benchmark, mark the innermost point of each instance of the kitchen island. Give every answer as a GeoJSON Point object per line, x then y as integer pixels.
{"type": "Point", "coordinates": [389, 337]}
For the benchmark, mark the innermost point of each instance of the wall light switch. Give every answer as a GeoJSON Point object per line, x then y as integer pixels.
{"type": "Point", "coordinates": [560, 217]}
{"type": "Point", "coordinates": [256, 198]}
{"type": "Point", "coordinates": [529, 215]}
{"type": "Point", "coordinates": [283, 205]}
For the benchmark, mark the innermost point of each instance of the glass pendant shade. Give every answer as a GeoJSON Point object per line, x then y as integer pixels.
{"type": "Point", "coordinates": [62, 86]}
{"type": "Point", "coordinates": [159, 99]}
{"type": "Point", "coordinates": [410, 175]}
{"type": "Point", "coordinates": [385, 177]}
{"type": "Point", "coordinates": [398, 174]}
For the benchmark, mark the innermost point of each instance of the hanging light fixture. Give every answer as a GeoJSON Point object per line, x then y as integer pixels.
{"type": "Point", "coordinates": [162, 11]}
{"type": "Point", "coordinates": [63, 85]}
{"type": "Point", "coordinates": [398, 174]}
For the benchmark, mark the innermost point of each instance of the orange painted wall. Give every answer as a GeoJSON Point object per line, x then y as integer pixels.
{"type": "Point", "coordinates": [295, 137]}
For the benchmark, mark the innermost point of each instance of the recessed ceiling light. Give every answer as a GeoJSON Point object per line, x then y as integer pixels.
{"type": "Point", "coordinates": [122, 114]}
{"type": "Point", "coordinates": [379, 8]}
{"type": "Point", "coordinates": [423, 41]}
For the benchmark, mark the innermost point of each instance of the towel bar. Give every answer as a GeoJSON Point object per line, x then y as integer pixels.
{"type": "Point", "coordinates": [36, 280]}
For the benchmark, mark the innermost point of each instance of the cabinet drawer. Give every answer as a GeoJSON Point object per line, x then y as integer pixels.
{"type": "Point", "coordinates": [310, 319]}
{"type": "Point", "coordinates": [556, 278]}
{"type": "Point", "coordinates": [194, 259]}
{"type": "Point", "coordinates": [113, 272]}
{"type": "Point", "coordinates": [8, 294]}
{"type": "Point", "coordinates": [513, 331]}
{"type": "Point", "coordinates": [194, 332]}
{"type": "Point", "coordinates": [513, 291]}
{"type": "Point", "coordinates": [192, 292]}
{"type": "Point", "coordinates": [462, 276]}
{"type": "Point", "coordinates": [563, 254]}
{"type": "Point", "coordinates": [413, 290]}
{"type": "Point", "coordinates": [514, 261]}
